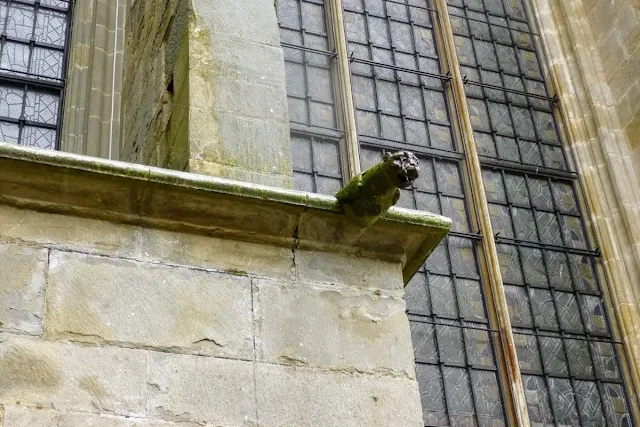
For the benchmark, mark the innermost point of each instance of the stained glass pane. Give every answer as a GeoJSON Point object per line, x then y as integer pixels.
{"type": "Point", "coordinates": [33, 46]}
{"type": "Point", "coordinates": [561, 330]}
{"type": "Point", "coordinates": [315, 132]}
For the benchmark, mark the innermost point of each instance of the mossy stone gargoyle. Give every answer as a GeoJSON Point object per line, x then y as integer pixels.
{"type": "Point", "coordinates": [369, 195]}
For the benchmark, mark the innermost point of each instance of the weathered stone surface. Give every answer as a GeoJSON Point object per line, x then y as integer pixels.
{"type": "Point", "coordinates": [350, 270]}
{"type": "Point", "coordinates": [332, 327]}
{"type": "Point", "coordinates": [94, 298]}
{"type": "Point", "coordinates": [215, 253]}
{"type": "Point", "coordinates": [201, 389]}
{"type": "Point", "coordinates": [19, 416]}
{"type": "Point", "coordinates": [293, 397]}
{"type": "Point", "coordinates": [250, 61]}
{"type": "Point", "coordinates": [54, 230]}
{"type": "Point", "coordinates": [71, 377]}
{"type": "Point", "coordinates": [255, 21]}
{"type": "Point", "coordinates": [250, 99]}
{"type": "Point", "coordinates": [22, 283]}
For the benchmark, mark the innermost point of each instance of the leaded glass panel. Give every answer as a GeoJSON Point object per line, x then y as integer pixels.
{"type": "Point", "coordinates": [401, 102]}
{"type": "Point", "coordinates": [33, 44]}
{"type": "Point", "coordinates": [315, 130]}
{"type": "Point", "coordinates": [563, 341]}
{"type": "Point", "coordinates": [452, 338]}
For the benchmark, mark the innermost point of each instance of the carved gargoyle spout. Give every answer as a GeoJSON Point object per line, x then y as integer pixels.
{"type": "Point", "coordinates": [369, 195]}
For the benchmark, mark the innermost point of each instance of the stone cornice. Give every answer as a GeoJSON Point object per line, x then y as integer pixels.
{"type": "Point", "coordinates": [136, 194]}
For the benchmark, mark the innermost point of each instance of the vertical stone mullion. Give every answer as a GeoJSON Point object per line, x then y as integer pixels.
{"type": "Point", "coordinates": [92, 105]}
{"type": "Point", "coordinates": [345, 97]}
{"type": "Point", "coordinates": [516, 388]}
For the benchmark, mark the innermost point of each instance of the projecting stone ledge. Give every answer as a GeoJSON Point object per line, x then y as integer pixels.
{"type": "Point", "coordinates": [141, 195]}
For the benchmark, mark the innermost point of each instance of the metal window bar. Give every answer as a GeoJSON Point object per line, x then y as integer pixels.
{"type": "Point", "coordinates": [538, 332]}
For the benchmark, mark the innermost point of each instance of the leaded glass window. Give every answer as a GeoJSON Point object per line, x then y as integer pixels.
{"type": "Point", "coordinates": [34, 36]}
{"type": "Point", "coordinates": [403, 99]}
{"type": "Point", "coordinates": [309, 62]}
{"type": "Point", "coordinates": [401, 102]}
{"type": "Point", "coordinates": [562, 334]}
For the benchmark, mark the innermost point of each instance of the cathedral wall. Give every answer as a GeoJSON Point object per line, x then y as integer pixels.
{"type": "Point", "coordinates": [105, 324]}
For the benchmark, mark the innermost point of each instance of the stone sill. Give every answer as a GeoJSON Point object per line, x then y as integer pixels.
{"type": "Point", "coordinates": [115, 191]}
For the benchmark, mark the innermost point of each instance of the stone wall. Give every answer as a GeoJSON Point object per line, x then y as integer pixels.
{"type": "Point", "coordinates": [104, 324]}
{"type": "Point", "coordinates": [155, 84]}
{"type": "Point", "coordinates": [616, 28]}
{"type": "Point", "coordinates": [205, 90]}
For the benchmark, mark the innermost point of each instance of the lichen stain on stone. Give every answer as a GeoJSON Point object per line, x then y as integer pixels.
{"type": "Point", "coordinates": [91, 385]}
{"type": "Point", "coordinates": [22, 369]}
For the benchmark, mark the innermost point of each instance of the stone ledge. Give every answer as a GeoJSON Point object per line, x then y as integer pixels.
{"type": "Point", "coordinates": [135, 194]}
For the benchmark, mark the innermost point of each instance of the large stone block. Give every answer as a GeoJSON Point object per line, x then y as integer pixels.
{"type": "Point", "coordinates": [22, 283]}
{"type": "Point", "coordinates": [253, 21]}
{"type": "Point", "coordinates": [201, 389]}
{"type": "Point", "coordinates": [55, 231]}
{"type": "Point", "coordinates": [255, 144]}
{"type": "Point", "coordinates": [249, 99]}
{"type": "Point", "coordinates": [20, 416]}
{"type": "Point", "coordinates": [294, 397]}
{"type": "Point", "coordinates": [94, 298]}
{"type": "Point", "coordinates": [250, 61]}
{"type": "Point", "coordinates": [71, 377]}
{"type": "Point", "coordinates": [216, 253]}
{"type": "Point", "coordinates": [336, 328]}
{"type": "Point", "coordinates": [349, 270]}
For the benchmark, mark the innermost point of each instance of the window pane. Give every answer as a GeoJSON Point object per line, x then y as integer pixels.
{"type": "Point", "coordinates": [555, 301]}
{"type": "Point", "coordinates": [315, 130]}
{"type": "Point", "coordinates": [33, 47]}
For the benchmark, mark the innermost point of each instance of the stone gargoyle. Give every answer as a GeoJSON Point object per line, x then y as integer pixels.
{"type": "Point", "coordinates": [370, 194]}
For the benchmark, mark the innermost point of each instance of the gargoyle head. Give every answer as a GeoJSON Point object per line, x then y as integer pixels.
{"type": "Point", "coordinates": [404, 167]}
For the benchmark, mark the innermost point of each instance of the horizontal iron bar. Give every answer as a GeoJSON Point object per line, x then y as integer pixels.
{"type": "Point", "coordinates": [309, 49]}
{"type": "Point", "coordinates": [416, 149]}
{"type": "Point", "coordinates": [28, 123]}
{"type": "Point", "coordinates": [496, 25]}
{"type": "Point", "coordinates": [504, 89]}
{"type": "Point", "coordinates": [30, 79]}
{"type": "Point", "coordinates": [562, 335]}
{"type": "Point", "coordinates": [537, 245]}
{"type": "Point", "coordinates": [459, 326]}
{"type": "Point", "coordinates": [397, 68]}
{"type": "Point", "coordinates": [4, 38]}
{"type": "Point", "coordinates": [528, 169]}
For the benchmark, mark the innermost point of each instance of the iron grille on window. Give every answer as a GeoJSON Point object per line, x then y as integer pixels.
{"type": "Point", "coordinates": [565, 348]}
{"type": "Point", "coordinates": [402, 100]}
{"type": "Point", "coordinates": [34, 38]}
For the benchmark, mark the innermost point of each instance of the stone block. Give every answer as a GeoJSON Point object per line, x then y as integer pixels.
{"type": "Point", "coordinates": [55, 231]}
{"type": "Point", "coordinates": [349, 270]}
{"type": "Point", "coordinates": [201, 389]}
{"type": "Point", "coordinates": [294, 397]}
{"type": "Point", "coordinates": [249, 61]}
{"type": "Point", "coordinates": [19, 416]}
{"type": "Point", "coordinates": [255, 144]}
{"type": "Point", "coordinates": [216, 253]}
{"type": "Point", "coordinates": [247, 99]}
{"type": "Point", "coordinates": [252, 21]}
{"type": "Point", "coordinates": [22, 284]}
{"type": "Point", "coordinates": [335, 328]}
{"type": "Point", "coordinates": [92, 299]}
{"type": "Point", "coordinates": [71, 377]}
{"type": "Point", "coordinates": [235, 173]}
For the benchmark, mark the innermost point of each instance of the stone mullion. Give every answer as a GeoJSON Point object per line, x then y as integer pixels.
{"type": "Point", "coordinates": [515, 384]}
{"type": "Point", "coordinates": [92, 102]}
{"type": "Point", "coordinates": [344, 94]}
